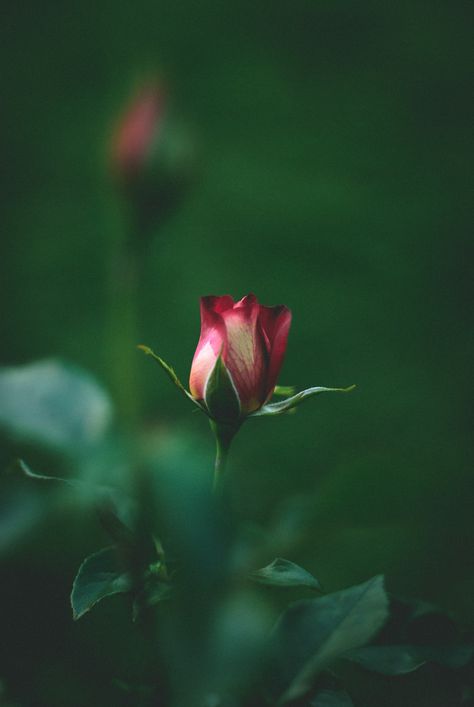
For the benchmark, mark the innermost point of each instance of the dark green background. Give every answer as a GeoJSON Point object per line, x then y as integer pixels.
{"type": "Point", "coordinates": [335, 177]}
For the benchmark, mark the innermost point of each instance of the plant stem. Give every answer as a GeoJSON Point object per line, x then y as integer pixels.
{"type": "Point", "coordinates": [224, 435]}
{"type": "Point", "coordinates": [123, 334]}
{"type": "Point", "coordinates": [127, 256]}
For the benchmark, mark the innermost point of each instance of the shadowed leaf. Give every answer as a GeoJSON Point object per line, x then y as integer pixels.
{"type": "Point", "coordinates": [99, 576]}
{"type": "Point", "coordinates": [283, 573]}
{"type": "Point", "coordinates": [313, 632]}
{"type": "Point", "coordinates": [398, 660]}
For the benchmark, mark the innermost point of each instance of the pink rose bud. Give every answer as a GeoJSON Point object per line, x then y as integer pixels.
{"type": "Point", "coordinates": [137, 131]}
{"type": "Point", "coordinates": [153, 157]}
{"type": "Point", "coordinates": [239, 355]}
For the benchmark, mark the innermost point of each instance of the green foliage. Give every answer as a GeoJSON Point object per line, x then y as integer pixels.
{"type": "Point", "coordinates": [312, 633]}
{"type": "Point", "coordinates": [54, 404]}
{"type": "Point", "coordinates": [331, 698]}
{"type": "Point", "coordinates": [400, 659]}
{"type": "Point", "coordinates": [283, 573]}
{"type": "Point", "coordinates": [100, 575]}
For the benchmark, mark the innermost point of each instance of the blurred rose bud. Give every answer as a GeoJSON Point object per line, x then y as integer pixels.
{"type": "Point", "coordinates": [239, 355]}
{"type": "Point", "coordinates": [139, 127]}
{"type": "Point", "coordinates": [152, 155]}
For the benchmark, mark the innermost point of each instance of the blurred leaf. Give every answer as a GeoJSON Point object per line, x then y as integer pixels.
{"type": "Point", "coordinates": [398, 660]}
{"type": "Point", "coordinates": [171, 375]}
{"type": "Point", "coordinates": [28, 473]}
{"type": "Point", "coordinates": [116, 511]}
{"type": "Point", "coordinates": [25, 501]}
{"type": "Point", "coordinates": [100, 575]}
{"type": "Point", "coordinates": [331, 698]}
{"type": "Point", "coordinates": [20, 512]}
{"type": "Point", "coordinates": [290, 403]}
{"type": "Point", "coordinates": [283, 573]}
{"type": "Point", "coordinates": [313, 632]}
{"type": "Point", "coordinates": [113, 524]}
{"type": "Point", "coordinates": [238, 633]}
{"type": "Point", "coordinates": [53, 404]}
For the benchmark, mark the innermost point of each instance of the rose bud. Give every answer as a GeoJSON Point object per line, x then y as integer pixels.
{"type": "Point", "coordinates": [138, 128]}
{"type": "Point", "coordinates": [239, 355]}
{"type": "Point", "coordinates": [235, 367]}
{"type": "Point", "coordinates": [152, 156]}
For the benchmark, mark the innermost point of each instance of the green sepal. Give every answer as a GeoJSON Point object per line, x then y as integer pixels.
{"type": "Point", "coordinates": [220, 395]}
{"type": "Point", "coordinates": [172, 376]}
{"type": "Point", "coordinates": [283, 573]}
{"type": "Point", "coordinates": [290, 403]}
{"type": "Point", "coordinates": [100, 575]}
{"type": "Point", "coordinates": [284, 390]}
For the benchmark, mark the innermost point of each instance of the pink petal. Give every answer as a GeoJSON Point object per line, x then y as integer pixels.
{"type": "Point", "coordinates": [218, 304]}
{"type": "Point", "coordinates": [247, 303]}
{"type": "Point", "coordinates": [245, 353]}
{"type": "Point", "coordinates": [275, 325]}
{"type": "Point", "coordinates": [212, 341]}
{"type": "Point", "coordinates": [138, 128]}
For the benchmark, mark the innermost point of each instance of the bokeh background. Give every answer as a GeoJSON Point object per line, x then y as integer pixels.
{"type": "Point", "coordinates": [333, 174]}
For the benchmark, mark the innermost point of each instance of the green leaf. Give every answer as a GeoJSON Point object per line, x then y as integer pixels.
{"type": "Point", "coordinates": [220, 395]}
{"type": "Point", "coordinates": [290, 403]}
{"type": "Point", "coordinates": [28, 473]}
{"type": "Point", "coordinates": [331, 698]}
{"type": "Point", "coordinates": [401, 659]}
{"type": "Point", "coordinates": [53, 404]}
{"type": "Point", "coordinates": [313, 632]}
{"type": "Point", "coordinates": [283, 573]}
{"type": "Point", "coordinates": [115, 510]}
{"type": "Point", "coordinates": [99, 576]}
{"type": "Point", "coordinates": [172, 376]}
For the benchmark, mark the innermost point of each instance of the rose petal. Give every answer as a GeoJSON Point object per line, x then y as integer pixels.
{"type": "Point", "coordinates": [275, 324]}
{"type": "Point", "coordinates": [218, 304]}
{"type": "Point", "coordinates": [244, 356]}
{"type": "Point", "coordinates": [212, 341]}
{"type": "Point", "coordinates": [138, 128]}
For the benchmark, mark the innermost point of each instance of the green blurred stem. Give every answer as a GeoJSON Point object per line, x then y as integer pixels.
{"type": "Point", "coordinates": [224, 435]}
{"type": "Point", "coordinates": [122, 359]}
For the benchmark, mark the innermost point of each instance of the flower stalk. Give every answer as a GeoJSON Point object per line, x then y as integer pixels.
{"type": "Point", "coordinates": [224, 435]}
